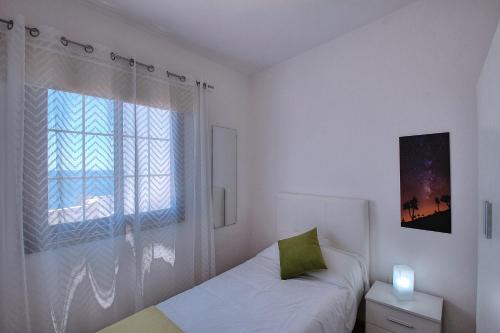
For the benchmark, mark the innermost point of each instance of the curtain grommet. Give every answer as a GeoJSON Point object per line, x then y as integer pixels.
{"type": "Point", "coordinates": [89, 48]}
{"type": "Point", "coordinates": [64, 41]}
{"type": "Point", "coordinates": [34, 32]}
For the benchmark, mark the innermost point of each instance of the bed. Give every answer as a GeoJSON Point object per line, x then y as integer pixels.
{"type": "Point", "coordinates": [252, 298]}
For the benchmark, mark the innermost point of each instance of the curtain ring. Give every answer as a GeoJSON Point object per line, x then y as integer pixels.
{"type": "Point", "coordinates": [131, 62]}
{"type": "Point", "coordinates": [112, 55]}
{"type": "Point", "coordinates": [10, 24]}
{"type": "Point", "coordinates": [88, 48]}
{"type": "Point", "coordinates": [64, 41]}
{"type": "Point", "coordinates": [151, 68]}
{"type": "Point", "coordinates": [34, 32]}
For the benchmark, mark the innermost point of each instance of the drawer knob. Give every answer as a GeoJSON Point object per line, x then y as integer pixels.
{"type": "Point", "coordinates": [399, 322]}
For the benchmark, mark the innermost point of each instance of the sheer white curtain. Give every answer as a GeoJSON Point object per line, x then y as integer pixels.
{"type": "Point", "coordinates": [205, 250]}
{"type": "Point", "coordinates": [14, 304]}
{"type": "Point", "coordinates": [105, 185]}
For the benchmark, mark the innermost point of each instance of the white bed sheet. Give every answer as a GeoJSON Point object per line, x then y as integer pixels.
{"type": "Point", "coordinates": [252, 298]}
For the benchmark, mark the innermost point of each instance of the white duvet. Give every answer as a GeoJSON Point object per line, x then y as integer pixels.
{"type": "Point", "coordinates": [252, 298]}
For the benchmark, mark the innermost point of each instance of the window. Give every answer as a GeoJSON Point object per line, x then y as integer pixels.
{"type": "Point", "coordinates": [153, 154]}
{"type": "Point", "coordinates": [80, 158]}
{"type": "Point", "coordinates": [107, 163]}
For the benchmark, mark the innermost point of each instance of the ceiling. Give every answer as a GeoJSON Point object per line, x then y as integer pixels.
{"type": "Point", "coordinates": [251, 35]}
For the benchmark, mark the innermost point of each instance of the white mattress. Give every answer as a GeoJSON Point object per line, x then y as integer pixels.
{"type": "Point", "coordinates": [252, 298]}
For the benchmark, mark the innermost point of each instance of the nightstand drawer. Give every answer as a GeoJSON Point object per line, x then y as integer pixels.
{"type": "Point", "coordinates": [398, 321]}
{"type": "Point", "coordinates": [374, 329]}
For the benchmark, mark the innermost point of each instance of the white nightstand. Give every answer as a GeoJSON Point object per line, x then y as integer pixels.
{"type": "Point", "coordinates": [386, 314]}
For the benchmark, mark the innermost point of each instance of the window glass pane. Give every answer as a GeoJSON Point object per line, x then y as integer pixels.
{"type": "Point", "coordinates": [54, 200]}
{"type": "Point", "coordinates": [142, 123]}
{"type": "Point", "coordinates": [143, 157]}
{"type": "Point", "coordinates": [128, 156]}
{"type": "Point", "coordinates": [65, 200]}
{"type": "Point", "coordinates": [98, 115]}
{"type": "Point", "coordinates": [65, 157]}
{"type": "Point", "coordinates": [128, 119]}
{"type": "Point", "coordinates": [128, 195]}
{"type": "Point", "coordinates": [99, 198]}
{"type": "Point", "coordinates": [99, 156]}
{"type": "Point", "coordinates": [143, 192]}
{"type": "Point", "coordinates": [52, 154]}
{"type": "Point", "coordinates": [160, 157]}
{"type": "Point", "coordinates": [159, 123]}
{"type": "Point", "coordinates": [159, 192]}
{"type": "Point", "coordinates": [64, 110]}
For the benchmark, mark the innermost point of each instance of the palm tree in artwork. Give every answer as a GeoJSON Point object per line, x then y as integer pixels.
{"type": "Point", "coordinates": [446, 198]}
{"type": "Point", "coordinates": [406, 206]}
{"type": "Point", "coordinates": [437, 201]}
{"type": "Point", "coordinates": [414, 206]}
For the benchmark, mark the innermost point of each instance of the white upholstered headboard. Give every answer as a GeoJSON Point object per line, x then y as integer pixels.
{"type": "Point", "coordinates": [344, 221]}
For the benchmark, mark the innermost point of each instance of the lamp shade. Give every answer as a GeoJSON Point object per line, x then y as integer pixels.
{"type": "Point", "coordinates": [403, 279]}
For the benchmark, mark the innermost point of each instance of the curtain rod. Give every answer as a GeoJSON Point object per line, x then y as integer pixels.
{"type": "Point", "coordinates": [205, 85]}
{"type": "Point", "coordinates": [88, 48]}
{"type": "Point", "coordinates": [131, 61]}
{"type": "Point", "coordinates": [34, 32]}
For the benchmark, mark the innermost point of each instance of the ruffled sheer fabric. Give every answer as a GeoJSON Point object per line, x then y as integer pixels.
{"type": "Point", "coordinates": [105, 186]}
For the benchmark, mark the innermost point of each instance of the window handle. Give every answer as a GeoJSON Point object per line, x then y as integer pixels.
{"type": "Point", "coordinates": [399, 322]}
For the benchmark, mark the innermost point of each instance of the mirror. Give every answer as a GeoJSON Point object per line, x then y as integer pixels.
{"type": "Point", "coordinates": [224, 176]}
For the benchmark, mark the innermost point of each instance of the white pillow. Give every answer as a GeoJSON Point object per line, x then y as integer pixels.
{"type": "Point", "coordinates": [323, 241]}
{"type": "Point", "coordinates": [339, 264]}
{"type": "Point", "coordinates": [272, 252]}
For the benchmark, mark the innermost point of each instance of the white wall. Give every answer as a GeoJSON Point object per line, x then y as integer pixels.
{"type": "Point", "coordinates": [228, 103]}
{"type": "Point", "coordinates": [328, 121]}
{"type": "Point", "coordinates": [488, 287]}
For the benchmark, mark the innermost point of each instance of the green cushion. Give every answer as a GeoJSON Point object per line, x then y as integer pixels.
{"type": "Point", "coordinates": [300, 254]}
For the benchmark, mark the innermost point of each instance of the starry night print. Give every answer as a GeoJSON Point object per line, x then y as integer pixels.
{"type": "Point", "coordinates": [425, 182]}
